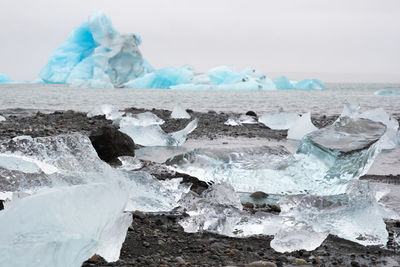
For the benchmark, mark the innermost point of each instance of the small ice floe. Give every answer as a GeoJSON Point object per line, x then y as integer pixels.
{"type": "Point", "coordinates": [387, 92]}
{"type": "Point", "coordinates": [130, 163]}
{"type": "Point", "coordinates": [2, 118]}
{"type": "Point", "coordinates": [233, 121]}
{"type": "Point", "coordinates": [179, 113]}
{"type": "Point", "coordinates": [301, 127]}
{"type": "Point", "coordinates": [279, 120]}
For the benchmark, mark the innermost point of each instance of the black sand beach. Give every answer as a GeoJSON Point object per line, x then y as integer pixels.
{"type": "Point", "coordinates": [158, 239]}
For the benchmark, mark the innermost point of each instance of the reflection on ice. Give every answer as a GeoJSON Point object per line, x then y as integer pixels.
{"type": "Point", "coordinates": [323, 163]}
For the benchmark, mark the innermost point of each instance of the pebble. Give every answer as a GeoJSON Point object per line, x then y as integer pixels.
{"type": "Point", "coordinates": [300, 262]}
{"type": "Point", "coordinates": [179, 260]}
{"type": "Point", "coordinates": [261, 264]}
{"type": "Point", "coordinates": [259, 195]}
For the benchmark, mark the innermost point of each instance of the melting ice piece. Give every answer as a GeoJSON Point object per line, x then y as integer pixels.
{"type": "Point", "coordinates": [2, 118]}
{"type": "Point", "coordinates": [130, 163]}
{"type": "Point", "coordinates": [108, 110]}
{"type": "Point", "coordinates": [246, 119]}
{"type": "Point", "coordinates": [294, 236]}
{"type": "Point", "coordinates": [148, 194]}
{"type": "Point", "coordinates": [4, 78]}
{"type": "Point", "coordinates": [153, 135]}
{"type": "Point", "coordinates": [96, 55]}
{"type": "Point", "coordinates": [354, 216]}
{"type": "Point", "coordinates": [141, 119]}
{"type": "Point", "coordinates": [325, 161]}
{"type": "Point", "coordinates": [390, 139]}
{"type": "Point", "coordinates": [217, 210]}
{"type": "Point", "coordinates": [66, 226]}
{"type": "Point", "coordinates": [179, 113]}
{"type": "Point", "coordinates": [233, 121]}
{"type": "Point", "coordinates": [279, 121]}
{"type": "Point", "coordinates": [301, 127]}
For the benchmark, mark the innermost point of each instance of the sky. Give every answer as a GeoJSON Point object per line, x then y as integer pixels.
{"type": "Point", "coordinates": [340, 40]}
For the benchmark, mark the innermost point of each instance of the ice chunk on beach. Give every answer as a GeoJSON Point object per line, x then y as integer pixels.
{"type": "Point", "coordinates": [293, 236]}
{"type": "Point", "coordinates": [390, 139]}
{"type": "Point", "coordinates": [354, 216]}
{"type": "Point", "coordinates": [301, 127]}
{"type": "Point", "coordinates": [233, 121]}
{"type": "Point", "coordinates": [108, 110]}
{"type": "Point", "coordinates": [66, 226]}
{"type": "Point", "coordinates": [153, 135]}
{"type": "Point", "coordinates": [4, 78]}
{"type": "Point", "coordinates": [140, 119]}
{"type": "Point", "coordinates": [163, 78]}
{"type": "Point", "coordinates": [2, 118]}
{"type": "Point", "coordinates": [279, 121]}
{"type": "Point", "coordinates": [325, 161]}
{"type": "Point", "coordinates": [179, 113]}
{"type": "Point", "coordinates": [96, 55]}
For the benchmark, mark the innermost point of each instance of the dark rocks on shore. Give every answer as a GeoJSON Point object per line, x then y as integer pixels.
{"type": "Point", "coordinates": [110, 143]}
{"type": "Point", "coordinates": [258, 195]}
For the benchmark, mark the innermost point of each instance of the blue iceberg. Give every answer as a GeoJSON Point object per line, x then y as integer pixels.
{"type": "Point", "coordinates": [4, 78]}
{"type": "Point", "coordinates": [386, 92]}
{"type": "Point", "coordinates": [95, 55]}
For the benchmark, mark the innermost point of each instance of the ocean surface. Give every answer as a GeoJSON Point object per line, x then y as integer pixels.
{"type": "Point", "coordinates": [26, 99]}
{"type": "Point", "coordinates": [48, 97]}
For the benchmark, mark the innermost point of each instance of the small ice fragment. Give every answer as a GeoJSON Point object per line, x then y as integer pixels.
{"type": "Point", "coordinates": [179, 113]}
{"type": "Point", "coordinates": [301, 127]}
{"type": "Point", "coordinates": [246, 119]}
{"type": "Point", "coordinates": [279, 121]}
{"type": "Point", "coordinates": [297, 236]}
{"type": "Point", "coordinates": [2, 118]}
{"type": "Point", "coordinates": [153, 135]}
{"type": "Point", "coordinates": [130, 163]}
{"type": "Point", "coordinates": [233, 121]}
{"type": "Point", "coordinates": [141, 119]}
{"type": "Point", "coordinates": [309, 84]}
{"type": "Point", "coordinates": [108, 110]}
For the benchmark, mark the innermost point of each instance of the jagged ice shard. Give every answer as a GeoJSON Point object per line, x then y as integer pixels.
{"type": "Point", "coordinates": [96, 55]}
{"type": "Point", "coordinates": [67, 204]}
{"type": "Point", "coordinates": [179, 113]}
{"type": "Point", "coordinates": [325, 161]}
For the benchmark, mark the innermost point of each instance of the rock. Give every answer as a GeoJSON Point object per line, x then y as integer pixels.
{"type": "Point", "coordinates": [261, 264]}
{"type": "Point", "coordinates": [95, 259]}
{"type": "Point", "coordinates": [111, 143]}
{"type": "Point", "coordinates": [300, 262]}
{"type": "Point", "coordinates": [179, 260]}
{"type": "Point", "coordinates": [251, 113]}
{"type": "Point", "coordinates": [248, 205]}
{"type": "Point", "coordinates": [1, 205]}
{"type": "Point", "coordinates": [259, 195]}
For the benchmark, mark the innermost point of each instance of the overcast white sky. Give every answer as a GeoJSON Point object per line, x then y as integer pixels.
{"type": "Point", "coordinates": [340, 40]}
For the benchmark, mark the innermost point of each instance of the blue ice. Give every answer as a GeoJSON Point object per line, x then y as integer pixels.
{"type": "Point", "coordinates": [4, 78]}
{"type": "Point", "coordinates": [95, 55]}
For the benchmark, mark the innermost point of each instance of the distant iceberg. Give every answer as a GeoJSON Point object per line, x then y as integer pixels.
{"type": "Point", "coordinates": [4, 78]}
{"type": "Point", "coordinates": [95, 55]}
{"type": "Point", "coordinates": [386, 92]}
